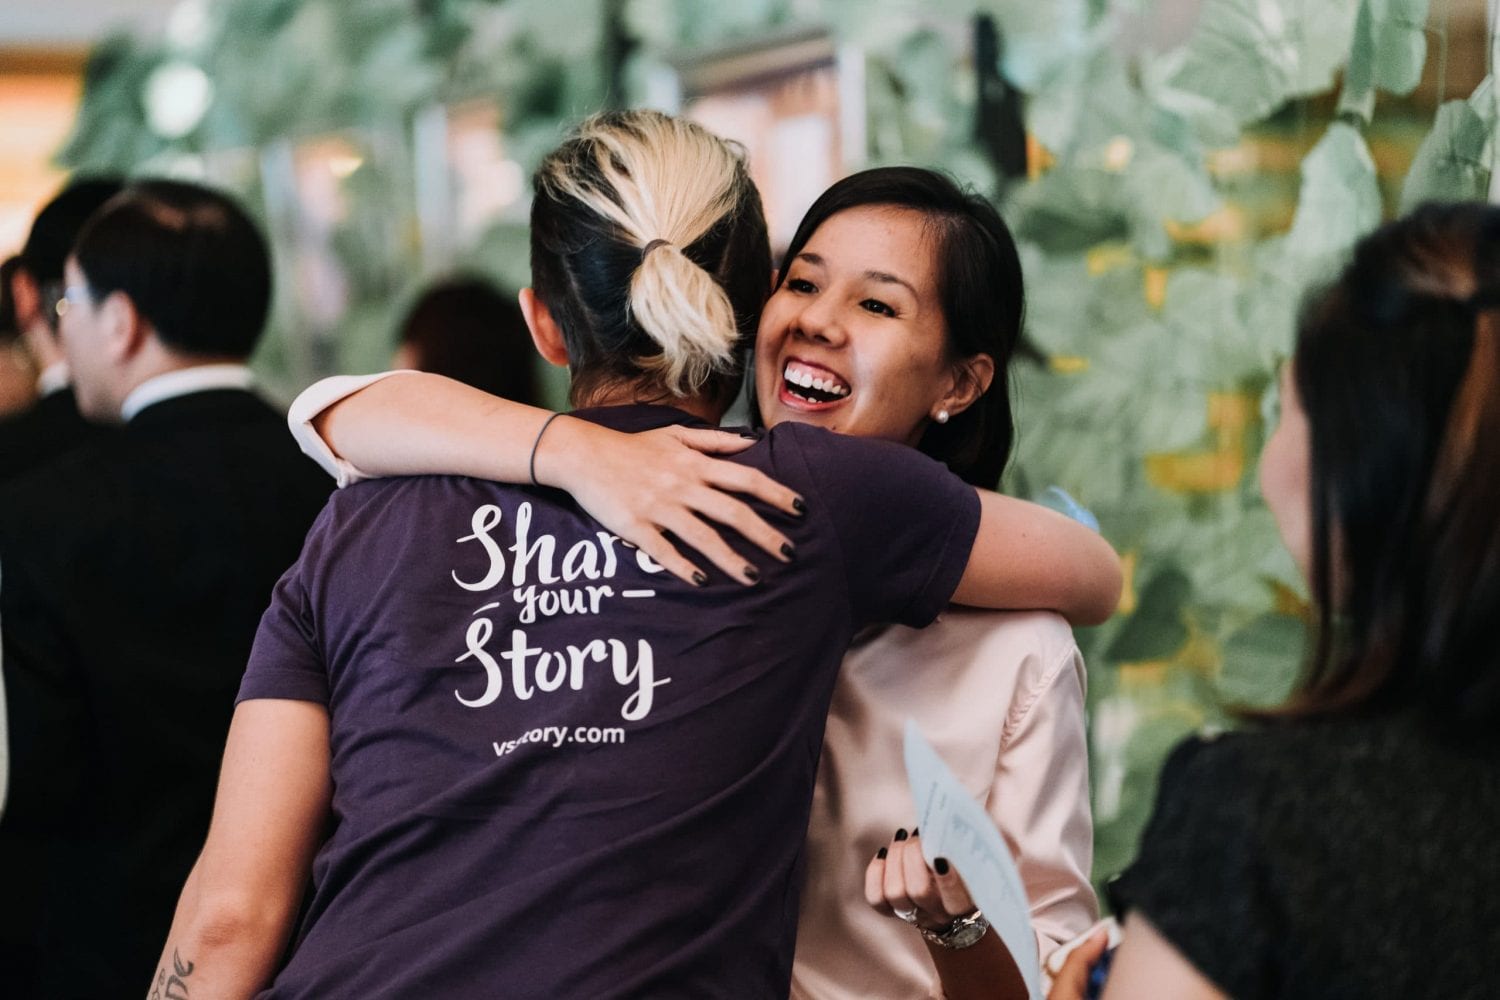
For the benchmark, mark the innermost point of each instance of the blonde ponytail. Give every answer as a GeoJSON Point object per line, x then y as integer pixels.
{"type": "Point", "coordinates": [664, 183]}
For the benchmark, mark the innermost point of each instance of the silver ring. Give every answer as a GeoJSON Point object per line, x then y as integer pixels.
{"type": "Point", "coordinates": [910, 916]}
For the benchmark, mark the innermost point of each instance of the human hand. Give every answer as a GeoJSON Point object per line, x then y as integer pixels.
{"type": "Point", "coordinates": [1071, 982]}
{"type": "Point", "coordinates": [645, 486]}
{"type": "Point", "coordinates": [899, 883]}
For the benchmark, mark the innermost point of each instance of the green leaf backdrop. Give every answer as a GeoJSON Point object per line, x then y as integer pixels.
{"type": "Point", "coordinates": [1160, 297]}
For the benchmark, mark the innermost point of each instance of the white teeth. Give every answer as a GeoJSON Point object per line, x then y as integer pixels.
{"type": "Point", "coordinates": [807, 380]}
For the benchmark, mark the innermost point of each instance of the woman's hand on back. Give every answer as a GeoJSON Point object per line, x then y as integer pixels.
{"type": "Point", "coordinates": [659, 486]}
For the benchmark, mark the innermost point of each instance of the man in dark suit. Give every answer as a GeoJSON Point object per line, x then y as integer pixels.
{"type": "Point", "coordinates": [133, 573]}
{"type": "Point", "coordinates": [52, 425]}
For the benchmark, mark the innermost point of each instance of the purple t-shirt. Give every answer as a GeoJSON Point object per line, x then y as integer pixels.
{"type": "Point", "coordinates": [558, 771]}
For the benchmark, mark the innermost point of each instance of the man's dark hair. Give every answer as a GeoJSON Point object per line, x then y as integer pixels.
{"type": "Point", "coordinates": [189, 258]}
{"type": "Point", "coordinates": [58, 224]}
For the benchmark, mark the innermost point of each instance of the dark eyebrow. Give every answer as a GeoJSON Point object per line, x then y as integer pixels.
{"type": "Point", "coordinates": [891, 279]}
{"type": "Point", "coordinates": [880, 276]}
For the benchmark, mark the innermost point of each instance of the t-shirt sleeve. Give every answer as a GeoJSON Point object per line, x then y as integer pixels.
{"type": "Point", "coordinates": [1199, 877]}
{"type": "Point", "coordinates": [286, 661]}
{"type": "Point", "coordinates": [314, 400]}
{"type": "Point", "coordinates": [905, 524]}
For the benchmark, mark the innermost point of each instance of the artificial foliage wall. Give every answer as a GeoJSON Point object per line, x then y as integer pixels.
{"type": "Point", "coordinates": [1163, 268]}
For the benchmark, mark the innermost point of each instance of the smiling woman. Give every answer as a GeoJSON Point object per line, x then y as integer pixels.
{"type": "Point", "coordinates": [901, 295]}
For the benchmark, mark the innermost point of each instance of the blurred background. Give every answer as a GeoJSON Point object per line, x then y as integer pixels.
{"type": "Point", "coordinates": [1178, 172]}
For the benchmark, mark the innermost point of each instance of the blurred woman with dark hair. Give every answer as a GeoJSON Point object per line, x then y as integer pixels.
{"type": "Point", "coordinates": [467, 329]}
{"type": "Point", "coordinates": [1345, 848]}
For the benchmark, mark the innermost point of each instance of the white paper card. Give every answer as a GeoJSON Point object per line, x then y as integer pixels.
{"type": "Point", "coordinates": [956, 827]}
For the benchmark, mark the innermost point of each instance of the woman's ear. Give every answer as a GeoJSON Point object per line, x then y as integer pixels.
{"type": "Point", "coordinates": [971, 378]}
{"type": "Point", "coordinates": [545, 333]}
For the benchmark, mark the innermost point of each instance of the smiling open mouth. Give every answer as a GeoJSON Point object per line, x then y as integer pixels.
{"type": "Point", "coordinates": [813, 385]}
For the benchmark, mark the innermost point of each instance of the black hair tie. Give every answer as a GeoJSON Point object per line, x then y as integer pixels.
{"type": "Point", "coordinates": [646, 250]}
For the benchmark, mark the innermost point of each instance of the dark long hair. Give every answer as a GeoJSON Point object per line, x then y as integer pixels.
{"type": "Point", "coordinates": [1398, 368]}
{"type": "Point", "coordinates": [467, 329]}
{"type": "Point", "coordinates": [979, 289]}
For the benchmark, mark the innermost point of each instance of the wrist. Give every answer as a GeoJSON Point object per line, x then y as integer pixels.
{"type": "Point", "coordinates": [559, 442]}
{"type": "Point", "coordinates": [961, 932]}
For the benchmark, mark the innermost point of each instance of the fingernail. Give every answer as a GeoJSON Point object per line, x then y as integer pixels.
{"type": "Point", "coordinates": [750, 435]}
{"type": "Point", "coordinates": [913, 831]}
{"type": "Point", "coordinates": [788, 549]}
{"type": "Point", "coordinates": [751, 573]}
{"type": "Point", "coordinates": [699, 578]}
{"type": "Point", "coordinates": [901, 834]}
{"type": "Point", "coordinates": [940, 865]}
{"type": "Point", "coordinates": [798, 505]}
{"type": "Point", "coordinates": [881, 853]}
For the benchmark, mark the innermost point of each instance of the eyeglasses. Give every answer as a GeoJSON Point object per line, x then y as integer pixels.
{"type": "Point", "coordinates": [68, 297]}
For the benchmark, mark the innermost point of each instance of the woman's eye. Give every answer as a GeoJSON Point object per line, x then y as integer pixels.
{"type": "Point", "coordinates": [800, 285]}
{"type": "Point", "coordinates": [877, 307]}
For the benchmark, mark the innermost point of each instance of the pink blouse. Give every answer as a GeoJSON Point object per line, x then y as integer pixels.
{"type": "Point", "coordinates": [1000, 696]}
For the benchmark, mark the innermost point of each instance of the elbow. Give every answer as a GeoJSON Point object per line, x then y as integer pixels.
{"type": "Point", "coordinates": [237, 924]}
{"type": "Point", "coordinates": [1101, 591]}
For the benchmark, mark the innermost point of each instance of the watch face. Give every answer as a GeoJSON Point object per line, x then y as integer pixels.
{"type": "Point", "coordinates": [964, 934]}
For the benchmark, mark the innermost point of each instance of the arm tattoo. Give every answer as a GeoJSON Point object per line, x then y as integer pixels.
{"type": "Point", "coordinates": [173, 986]}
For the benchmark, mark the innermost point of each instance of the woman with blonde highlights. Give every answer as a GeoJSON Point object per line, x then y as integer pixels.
{"type": "Point", "coordinates": [521, 757]}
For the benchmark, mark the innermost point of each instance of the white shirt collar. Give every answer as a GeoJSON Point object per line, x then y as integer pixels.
{"type": "Point", "coordinates": [199, 378]}
{"type": "Point", "coordinates": [54, 378]}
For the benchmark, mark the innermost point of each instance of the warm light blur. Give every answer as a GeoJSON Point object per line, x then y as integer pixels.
{"type": "Point", "coordinates": [39, 95]}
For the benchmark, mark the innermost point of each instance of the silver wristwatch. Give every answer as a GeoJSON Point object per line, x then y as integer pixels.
{"type": "Point", "coordinates": [964, 932]}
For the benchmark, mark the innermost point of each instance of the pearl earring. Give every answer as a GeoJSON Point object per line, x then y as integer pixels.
{"type": "Point", "coordinates": [942, 416]}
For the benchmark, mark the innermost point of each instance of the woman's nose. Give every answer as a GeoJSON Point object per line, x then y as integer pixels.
{"type": "Point", "coordinates": [820, 321]}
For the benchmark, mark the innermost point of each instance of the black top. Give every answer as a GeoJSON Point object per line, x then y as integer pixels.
{"type": "Point", "coordinates": [1348, 859]}
{"type": "Point", "coordinates": [133, 573]}
{"type": "Point", "coordinates": [34, 437]}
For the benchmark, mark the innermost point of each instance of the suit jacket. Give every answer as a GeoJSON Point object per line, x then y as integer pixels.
{"type": "Point", "coordinates": [133, 574]}
{"type": "Point", "coordinates": [34, 437]}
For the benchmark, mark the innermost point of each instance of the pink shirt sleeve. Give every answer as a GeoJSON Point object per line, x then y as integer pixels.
{"type": "Point", "coordinates": [314, 400]}
{"type": "Point", "coordinates": [1040, 801]}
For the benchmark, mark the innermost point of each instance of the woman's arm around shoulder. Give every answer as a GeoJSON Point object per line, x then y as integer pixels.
{"type": "Point", "coordinates": [236, 911]}
{"type": "Point", "coordinates": [1026, 556]}
{"type": "Point", "coordinates": [639, 486]}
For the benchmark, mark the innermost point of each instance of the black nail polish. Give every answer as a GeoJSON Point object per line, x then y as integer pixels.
{"type": "Point", "coordinates": [798, 505]}
{"type": "Point", "coordinates": [751, 573]}
{"type": "Point", "coordinates": [699, 578]}
{"type": "Point", "coordinates": [750, 435]}
{"type": "Point", "coordinates": [788, 549]}
{"type": "Point", "coordinates": [901, 834]}
{"type": "Point", "coordinates": [881, 853]}
{"type": "Point", "coordinates": [940, 865]}
{"type": "Point", "coordinates": [913, 831]}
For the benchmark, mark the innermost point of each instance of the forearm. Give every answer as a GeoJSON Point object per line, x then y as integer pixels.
{"type": "Point", "coordinates": [220, 946]}
{"type": "Point", "coordinates": [1028, 557]}
{"type": "Point", "coordinates": [984, 971]}
{"type": "Point", "coordinates": [417, 423]}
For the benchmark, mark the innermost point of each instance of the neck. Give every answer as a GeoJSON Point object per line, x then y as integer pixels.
{"type": "Point", "coordinates": [166, 362]}
{"type": "Point", "coordinates": [701, 407]}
